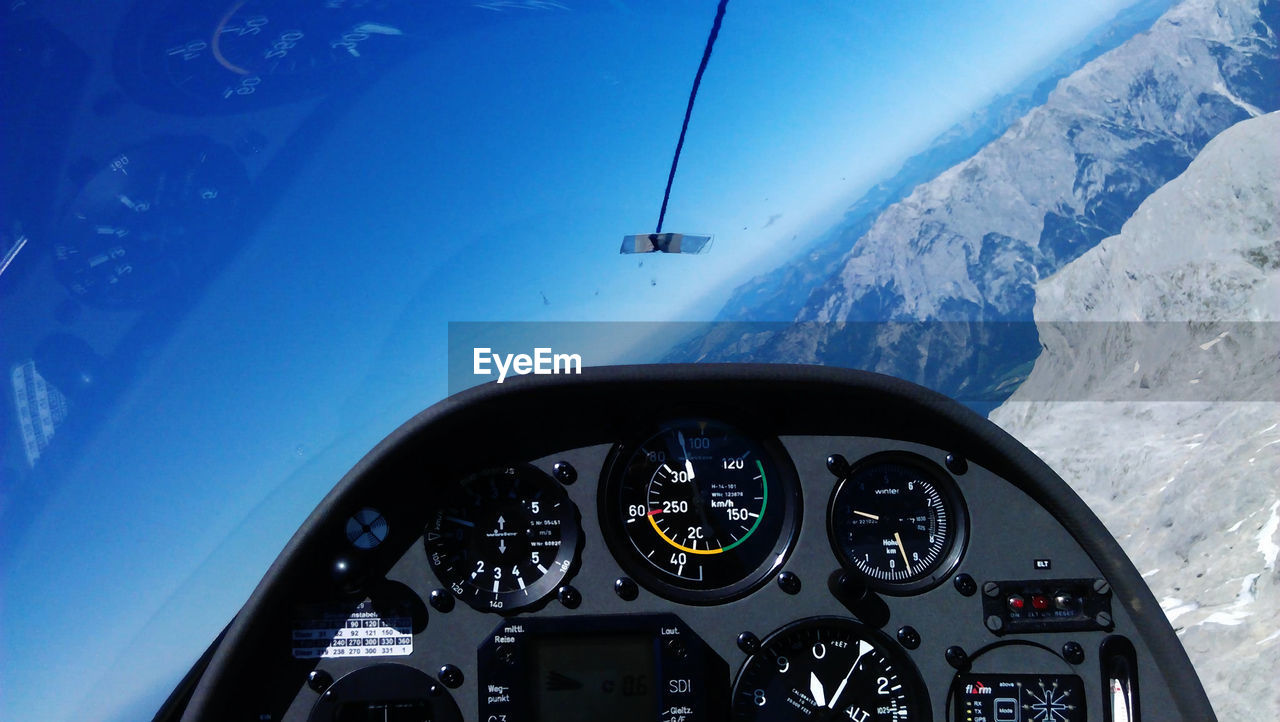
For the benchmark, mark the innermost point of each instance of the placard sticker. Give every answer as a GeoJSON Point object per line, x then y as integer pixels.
{"type": "Point", "coordinates": [336, 631]}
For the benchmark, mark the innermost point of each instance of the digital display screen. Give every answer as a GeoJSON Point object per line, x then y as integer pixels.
{"type": "Point", "coordinates": [1019, 698]}
{"type": "Point", "coordinates": [592, 678]}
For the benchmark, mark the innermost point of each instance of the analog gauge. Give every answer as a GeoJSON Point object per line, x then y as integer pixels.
{"type": "Point", "coordinates": [385, 691]}
{"type": "Point", "coordinates": [700, 512]}
{"type": "Point", "coordinates": [829, 668]}
{"type": "Point", "coordinates": [899, 522]}
{"type": "Point", "coordinates": [503, 540]}
{"type": "Point", "coordinates": [147, 220]}
{"type": "Point", "coordinates": [240, 55]}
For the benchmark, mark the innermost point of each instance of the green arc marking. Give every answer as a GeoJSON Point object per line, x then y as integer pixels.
{"type": "Point", "coordinates": [764, 482]}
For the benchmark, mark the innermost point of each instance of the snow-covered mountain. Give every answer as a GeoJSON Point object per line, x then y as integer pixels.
{"type": "Point", "coordinates": [971, 244]}
{"type": "Point", "coordinates": [1188, 487]}
{"type": "Point", "coordinates": [779, 294]}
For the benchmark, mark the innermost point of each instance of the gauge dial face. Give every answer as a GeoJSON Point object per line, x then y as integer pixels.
{"type": "Point", "coordinates": [899, 522]}
{"type": "Point", "coordinates": [700, 512]}
{"type": "Point", "coordinates": [504, 540]}
{"type": "Point", "coordinates": [828, 668]}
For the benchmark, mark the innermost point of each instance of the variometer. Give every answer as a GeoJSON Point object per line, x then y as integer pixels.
{"type": "Point", "coordinates": [503, 540]}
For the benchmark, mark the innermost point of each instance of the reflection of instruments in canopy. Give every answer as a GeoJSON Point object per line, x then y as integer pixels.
{"type": "Point", "coordinates": [146, 221]}
{"type": "Point", "coordinates": [249, 54]}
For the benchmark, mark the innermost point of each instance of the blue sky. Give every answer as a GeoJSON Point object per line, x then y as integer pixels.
{"type": "Point", "coordinates": [495, 168]}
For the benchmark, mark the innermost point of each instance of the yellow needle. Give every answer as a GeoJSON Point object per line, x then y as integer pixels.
{"type": "Point", "coordinates": [898, 538]}
{"type": "Point", "coordinates": [869, 516]}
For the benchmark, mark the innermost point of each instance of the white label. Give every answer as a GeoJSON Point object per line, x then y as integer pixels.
{"type": "Point", "coordinates": [361, 633]}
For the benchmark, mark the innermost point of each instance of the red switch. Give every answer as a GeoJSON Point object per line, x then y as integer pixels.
{"type": "Point", "coordinates": [1016, 603]}
{"type": "Point", "coordinates": [1039, 602]}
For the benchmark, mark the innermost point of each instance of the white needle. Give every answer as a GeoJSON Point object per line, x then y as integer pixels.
{"type": "Point", "coordinates": [815, 689]}
{"type": "Point", "coordinates": [688, 465]}
{"type": "Point", "coordinates": [863, 648]}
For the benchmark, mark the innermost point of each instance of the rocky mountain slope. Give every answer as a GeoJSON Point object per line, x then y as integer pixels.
{"type": "Point", "coordinates": [970, 245]}
{"type": "Point", "coordinates": [779, 294]}
{"type": "Point", "coordinates": [1186, 296]}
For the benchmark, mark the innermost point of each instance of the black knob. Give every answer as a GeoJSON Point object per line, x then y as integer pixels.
{"type": "Point", "coordinates": [451, 676]}
{"type": "Point", "coordinates": [319, 680]}
{"type": "Point", "coordinates": [909, 637]}
{"type": "Point", "coordinates": [441, 601]}
{"type": "Point", "coordinates": [956, 464]}
{"type": "Point", "coordinates": [506, 654]}
{"type": "Point", "coordinates": [748, 643]}
{"type": "Point", "coordinates": [965, 585]}
{"type": "Point", "coordinates": [564, 472]}
{"type": "Point", "coordinates": [1073, 652]}
{"type": "Point", "coordinates": [838, 465]}
{"type": "Point", "coordinates": [789, 582]}
{"type": "Point", "coordinates": [569, 596]}
{"type": "Point", "coordinates": [676, 646]}
{"type": "Point", "coordinates": [348, 573]}
{"type": "Point", "coordinates": [626, 589]}
{"type": "Point", "coordinates": [957, 657]}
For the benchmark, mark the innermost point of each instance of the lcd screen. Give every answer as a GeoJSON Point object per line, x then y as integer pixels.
{"type": "Point", "coordinates": [592, 678]}
{"type": "Point", "coordinates": [1019, 698]}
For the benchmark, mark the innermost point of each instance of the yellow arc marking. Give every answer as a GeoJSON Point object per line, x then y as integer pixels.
{"type": "Point", "coordinates": [680, 546]}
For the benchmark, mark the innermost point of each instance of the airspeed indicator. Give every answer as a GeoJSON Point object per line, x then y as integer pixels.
{"type": "Point", "coordinates": [699, 511]}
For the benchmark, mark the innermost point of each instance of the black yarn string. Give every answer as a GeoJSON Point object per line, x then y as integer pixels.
{"type": "Point", "coordinates": [697, 80]}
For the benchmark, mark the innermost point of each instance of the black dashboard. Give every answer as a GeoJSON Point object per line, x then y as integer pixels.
{"type": "Point", "coordinates": [683, 543]}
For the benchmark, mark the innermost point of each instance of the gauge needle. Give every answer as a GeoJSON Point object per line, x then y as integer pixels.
{"type": "Point", "coordinates": [815, 689]}
{"type": "Point", "coordinates": [688, 465]}
{"type": "Point", "coordinates": [869, 516]}
{"type": "Point", "coordinates": [863, 648]}
{"type": "Point", "coordinates": [898, 538]}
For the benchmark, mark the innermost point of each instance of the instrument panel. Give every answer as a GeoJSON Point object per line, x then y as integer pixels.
{"type": "Point", "coordinates": [774, 564]}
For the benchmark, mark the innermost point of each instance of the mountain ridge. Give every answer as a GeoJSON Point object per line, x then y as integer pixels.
{"type": "Point", "coordinates": [1185, 296]}
{"type": "Point", "coordinates": [970, 244]}
{"type": "Point", "coordinates": [753, 301]}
